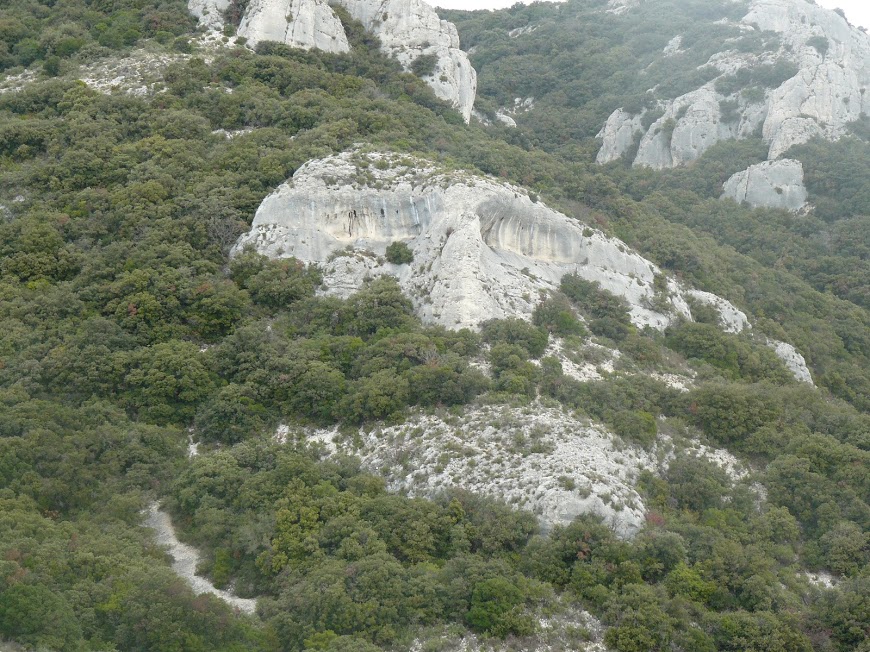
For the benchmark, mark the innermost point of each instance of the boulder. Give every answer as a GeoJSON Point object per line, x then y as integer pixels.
{"type": "Point", "coordinates": [771, 184]}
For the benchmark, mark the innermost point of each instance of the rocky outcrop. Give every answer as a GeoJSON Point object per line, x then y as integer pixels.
{"type": "Point", "coordinates": [731, 320]}
{"type": "Point", "coordinates": [482, 249]}
{"type": "Point", "coordinates": [772, 184]}
{"type": "Point", "coordinates": [544, 460]}
{"type": "Point", "coordinates": [618, 135]}
{"type": "Point", "coordinates": [619, 7]}
{"type": "Point", "coordinates": [793, 360]}
{"type": "Point", "coordinates": [407, 29]}
{"type": "Point", "coordinates": [301, 23]}
{"type": "Point", "coordinates": [827, 93]}
{"type": "Point", "coordinates": [209, 12]}
{"type": "Point", "coordinates": [505, 119]}
{"type": "Point", "coordinates": [829, 90]}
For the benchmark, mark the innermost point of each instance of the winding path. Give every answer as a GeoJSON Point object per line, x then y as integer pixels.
{"type": "Point", "coordinates": [185, 559]}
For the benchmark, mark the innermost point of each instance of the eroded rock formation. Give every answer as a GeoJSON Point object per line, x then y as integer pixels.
{"type": "Point", "coordinates": [482, 249]}
{"type": "Point", "coordinates": [771, 184]}
{"type": "Point", "coordinates": [827, 93]}
{"type": "Point", "coordinates": [408, 30]}
{"type": "Point", "coordinates": [301, 23]}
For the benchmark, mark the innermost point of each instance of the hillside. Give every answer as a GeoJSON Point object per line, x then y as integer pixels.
{"type": "Point", "coordinates": [358, 326]}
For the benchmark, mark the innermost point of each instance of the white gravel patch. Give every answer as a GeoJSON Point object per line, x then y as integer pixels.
{"type": "Point", "coordinates": [186, 558]}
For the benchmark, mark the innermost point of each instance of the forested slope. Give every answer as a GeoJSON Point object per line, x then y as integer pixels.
{"type": "Point", "coordinates": [124, 324]}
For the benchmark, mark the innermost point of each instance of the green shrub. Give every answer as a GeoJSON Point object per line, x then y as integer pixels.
{"type": "Point", "coordinates": [557, 317]}
{"type": "Point", "coordinates": [820, 43]}
{"type": "Point", "coordinates": [532, 339]}
{"type": "Point", "coordinates": [635, 426]}
{"type": "Point", "coordinates": [398, 253]}
{"type": "Point", "coordinates": [424, 65]}
{"type": "Point", "coordinates": [496, 609]}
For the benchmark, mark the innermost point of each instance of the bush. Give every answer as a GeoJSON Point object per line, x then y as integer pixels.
{"type": "Point", "coordinates": [424, 65]}
{"type": "Point", "coordinates": [592, 298]}
{"type": "Point", "coordinates": [635, 426]}
{"type": "Point", "coordinates": [399, 253]}
{"type": "Point", "coordinates": [532, 339]}
{"type": "Point", "coordinates": [231, 415]}
{"type": "Point", "coordinates": [557, 317]}
{"type": "Point", "coordinates": [820, 43]}
{"type": "Point", "coordinates": [496, 609]}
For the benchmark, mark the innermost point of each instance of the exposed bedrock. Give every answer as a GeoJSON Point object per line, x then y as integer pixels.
{"type": "Point", "coordinates": [407, 29]}
{"type": "Point", "coordinates": [771, 184]}
{"type": "Point", "coordinates": [482, 249]}
{"type": "Point", "coordinates": [827, 93]}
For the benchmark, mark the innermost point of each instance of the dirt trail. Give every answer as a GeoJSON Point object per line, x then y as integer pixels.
{"type": "Point", "coordinates": [186, 558]}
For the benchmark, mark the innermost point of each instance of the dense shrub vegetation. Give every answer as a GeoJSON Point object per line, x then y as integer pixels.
{"type": "Point", "coordinates": [124, 323]}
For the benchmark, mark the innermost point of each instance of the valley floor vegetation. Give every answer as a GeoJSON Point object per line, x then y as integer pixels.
{"type": "Point", "coordinates": [124, 323]}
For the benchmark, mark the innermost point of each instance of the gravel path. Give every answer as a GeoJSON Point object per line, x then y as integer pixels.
{"type": "Point", "coordinates": [186, 558]}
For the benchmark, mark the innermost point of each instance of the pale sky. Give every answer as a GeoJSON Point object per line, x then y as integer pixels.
{"type": "Point", "coordinates": [857, 11]}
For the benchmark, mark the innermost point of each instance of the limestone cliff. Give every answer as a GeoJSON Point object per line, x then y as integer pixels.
{"type": "Point", "coordinates": [827, 93]}
{"type": "Point", "coordinates": [407, 29]}
{"type": "Point", "coordinates": [482, 249]}
{"type": "Point", "coordinates": [300, 23]}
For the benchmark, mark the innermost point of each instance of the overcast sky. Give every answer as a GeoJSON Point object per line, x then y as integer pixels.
{"type": "Point", "coordinates": [857, 11]}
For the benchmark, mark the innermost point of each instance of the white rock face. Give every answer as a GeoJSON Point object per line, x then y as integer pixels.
{"type": "Point", "coordinates": [731, 320]}
{"type": "Point", "coordinates": [674, 46]}
{"type": "Point", "coordinates": [482, 249]}
{"type": "Point", "coordinates": [209, 12]}
{"type": "Point", "coordinates": [793, 360]}
{"type": "Point", "coordinates": [828, 92]}
{"type": "Point", "coordinates": [619, 7]}
{"type": "Point", "coordinates": [618, 135]}
{"type": "Point", "coordinates": [409, 29]}
{"type": "Point", "coordinates": [772, 184]}
{"type": "Point", "coordinates": [299, 23]}
{"type": "Point", "coordinates": [556, 630]}
{"type": "Point", "coordinates": [521, 31]}
{"type": "Point", "coordinates": [684, 132]}
{"type": "Point", "coordinates": [540, 459]}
